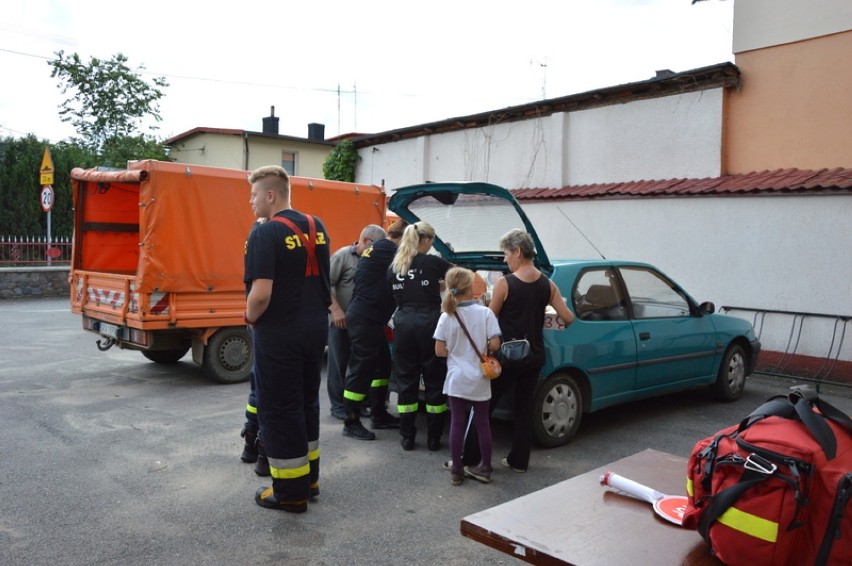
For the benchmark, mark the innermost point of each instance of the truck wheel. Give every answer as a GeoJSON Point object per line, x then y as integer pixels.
{"type": "Point", "coordinates": [228, 357]}
{"type": "Point", "coordinates": [557, 410]}
{"type": "Point", "coordinates": [165, 356]}
{"type": "Point", "coordinates": [730, 381]}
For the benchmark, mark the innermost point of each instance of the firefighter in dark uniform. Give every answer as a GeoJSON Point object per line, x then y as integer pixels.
{"type": "Point", "coordinates": [416, 278]}
{"type": "Point", "coordinates": [366, 320]}
{"type": "Point", "coordinates": [287, 275]}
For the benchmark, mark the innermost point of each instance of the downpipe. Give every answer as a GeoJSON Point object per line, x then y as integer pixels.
{"type": "Point", "coordinates": [103, 347]}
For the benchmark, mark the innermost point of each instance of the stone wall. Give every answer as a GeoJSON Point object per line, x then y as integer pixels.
{"type": "Point", "coordinates": [23, 282]}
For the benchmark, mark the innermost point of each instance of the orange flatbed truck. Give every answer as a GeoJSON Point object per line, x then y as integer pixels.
{"type": "Point", "coordinates": [157, 261]}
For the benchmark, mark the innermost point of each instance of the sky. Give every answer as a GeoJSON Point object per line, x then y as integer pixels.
{"type": "Point", "coordinates": [365, 67]}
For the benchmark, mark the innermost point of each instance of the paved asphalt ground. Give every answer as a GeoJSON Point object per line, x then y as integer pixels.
{"type": "Point", "coordinates": [108, 458]}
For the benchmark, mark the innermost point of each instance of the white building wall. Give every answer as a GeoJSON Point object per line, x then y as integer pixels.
{"type": "Point", "coordinates": [786, 253]}
{"type": "Point", "coordinates": [662, 138]}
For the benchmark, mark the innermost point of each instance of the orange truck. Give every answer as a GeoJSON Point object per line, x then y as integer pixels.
{"type": "Point", "coordinates": [157, 261]}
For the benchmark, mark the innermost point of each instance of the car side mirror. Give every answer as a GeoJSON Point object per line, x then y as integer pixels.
{"type": "Point", "coordinates": [707, 308]}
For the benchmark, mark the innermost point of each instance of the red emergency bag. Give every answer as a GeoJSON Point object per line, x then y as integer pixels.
{"type": "Point", "coordinates": [773, 490]}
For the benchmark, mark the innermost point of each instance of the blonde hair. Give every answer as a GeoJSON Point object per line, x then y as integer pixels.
{"type": "Point", "coordinates": [411, 238]}
{"type": "Point", "coordinates": [459, 283]}
{"type": "Point", "coordinates": [283, 184]}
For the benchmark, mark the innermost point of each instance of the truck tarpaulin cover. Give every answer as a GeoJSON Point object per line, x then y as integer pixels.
{"type": "Point", "coordinates": [183, 228]}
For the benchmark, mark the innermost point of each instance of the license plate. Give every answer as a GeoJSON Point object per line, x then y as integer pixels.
{"type": "Point", "coordinates": [108, 329]}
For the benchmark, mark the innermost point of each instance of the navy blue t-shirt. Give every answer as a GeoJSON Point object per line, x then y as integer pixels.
{"type": "Point", "coordinates": [420, 287]}
{"type": "Point", "coordinates": [371, 296]}
{"type": "Point", "coordinates": [274, 252]}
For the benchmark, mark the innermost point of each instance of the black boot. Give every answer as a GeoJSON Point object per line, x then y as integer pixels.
{"type": "Point", "coordinates": [261, 467]}
{"type": "Point", "coordinates": [353, 428]}
{"type": "Point", "coordinates": [408, 430]}
{"type": "Point", "coordinates": [249, 454]}
{"type": "Point", "coordinates": [434, 430]}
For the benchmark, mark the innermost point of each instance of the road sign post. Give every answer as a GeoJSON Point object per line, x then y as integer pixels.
{"type": "Point", "coordinates": [46, 197]}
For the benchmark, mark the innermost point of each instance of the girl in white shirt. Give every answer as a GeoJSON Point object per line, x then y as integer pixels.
{"type": "Point", "coordinates": [465, 384]}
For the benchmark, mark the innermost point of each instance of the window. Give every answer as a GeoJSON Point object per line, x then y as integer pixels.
{"type": "Point", "coordinates": [288, 161]}
{"type": "Point", "coordinates": [597, 296]}
{"type": "Point", "coordinates": [652, 295]}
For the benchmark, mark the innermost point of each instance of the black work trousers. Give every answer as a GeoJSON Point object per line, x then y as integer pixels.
{"type": "Point", "coordinates": [414, 358]}
{"type": "Point", "coordinates": [369, 366]}
{"type": "Point", "coordinates": [288, 363]}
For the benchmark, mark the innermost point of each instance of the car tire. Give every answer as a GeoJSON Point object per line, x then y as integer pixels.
{"type": "Point", "coordinates": [557, 410]}
{"type": "Point", "coordinates": [730, 381]}
{"type": "Point", "coordinates": [165, 356]}
{"type": "Point", "coordinates": [228, 357]}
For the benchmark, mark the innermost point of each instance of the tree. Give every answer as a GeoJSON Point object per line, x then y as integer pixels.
{"type": "Point", "coordinates": [109, 103]}
{"type": "Point", "coordinates": [340, 164]}
{"type": "Point", "coordinates": [20, 211]}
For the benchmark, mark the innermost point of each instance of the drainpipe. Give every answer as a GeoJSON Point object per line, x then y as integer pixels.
{"type": "Point", "coordinates": [246, 151]}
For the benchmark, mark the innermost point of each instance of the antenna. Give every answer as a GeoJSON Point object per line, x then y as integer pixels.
{"type": "Point", "coordinates": [543, 65]}
{"type": "Point", "coordinates": [581, 232]}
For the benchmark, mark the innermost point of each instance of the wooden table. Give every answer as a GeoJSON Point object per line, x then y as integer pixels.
{"type": "Point", "coordinates": [579, 521]}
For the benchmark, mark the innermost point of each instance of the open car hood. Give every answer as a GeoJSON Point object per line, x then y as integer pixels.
{"type": "Point", "coordinates": [469, 220]}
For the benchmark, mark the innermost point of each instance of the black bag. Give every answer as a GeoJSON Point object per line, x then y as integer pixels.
{"type": "Point", "coordinates": [515, 351]}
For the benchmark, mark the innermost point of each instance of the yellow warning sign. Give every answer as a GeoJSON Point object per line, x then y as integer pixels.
{"type": "Point", "coordinates": [46, 169]}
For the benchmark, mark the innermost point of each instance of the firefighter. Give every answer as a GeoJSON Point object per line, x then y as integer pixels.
{"type": "Point", "coordinates": [416, 278]}
{"type": "Point", "coordinates": [287, 276]}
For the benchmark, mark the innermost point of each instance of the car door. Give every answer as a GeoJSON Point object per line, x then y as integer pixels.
{"type": "Point", "coordinates": [675, 344]}
{"type": "Point", "coordinates": [602, 341]}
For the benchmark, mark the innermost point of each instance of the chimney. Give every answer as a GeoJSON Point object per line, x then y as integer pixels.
{"type": "Point", "coordinates": [316, 132]}
{"type": "Point", "coordinates": [270, 123]}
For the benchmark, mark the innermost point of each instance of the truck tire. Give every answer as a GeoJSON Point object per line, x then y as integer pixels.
{"type": "Point", "coordinates": [228, 357]}
{"type": "Point", "coordinates": [165, 356]}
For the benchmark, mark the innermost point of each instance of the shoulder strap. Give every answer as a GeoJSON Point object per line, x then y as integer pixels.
{"type": "Point", "coordinates": [466, 333]}
{"type": "Point", "coordinates": [312, 266]}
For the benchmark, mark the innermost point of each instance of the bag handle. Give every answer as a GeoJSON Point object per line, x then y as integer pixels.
{"type": "Point", "coordinates": [466, 333]}
{"type": "Point", "coordinates": [799, 405]}
{"type": "Point", "coordinates": [312, 265]}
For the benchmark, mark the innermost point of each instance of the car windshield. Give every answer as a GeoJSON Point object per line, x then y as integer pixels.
{"type": "Point", "coordinates": [471, 223]}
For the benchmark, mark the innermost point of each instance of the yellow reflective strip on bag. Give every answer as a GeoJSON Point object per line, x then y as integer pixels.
{"type": "Point", "coordinates": [436, 409]}
{"type": "Point", "coordinates": [412, 408]}
{"type": "Point", "coordinates": [689, 487]}
{"type": "Point", "coordinates": [379, 383]}
{"type": "Point", "coordinates": [352, 396]}
{"type": "Point", "coordinates": [752, 525]}
{"type": "Point", "coordinates": [250, 409]}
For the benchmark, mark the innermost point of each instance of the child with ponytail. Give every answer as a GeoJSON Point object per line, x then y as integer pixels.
{"type": "Point", "coordinates": [465, 385]}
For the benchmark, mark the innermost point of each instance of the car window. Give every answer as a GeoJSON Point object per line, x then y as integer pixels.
{"type": "Point", "coordinates": [652, 295]}
{"type": "Point", "coordinates": [596, 296]}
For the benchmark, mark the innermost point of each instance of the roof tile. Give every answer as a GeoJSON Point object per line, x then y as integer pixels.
{"type": "Point", "coordinates": [796, 181]}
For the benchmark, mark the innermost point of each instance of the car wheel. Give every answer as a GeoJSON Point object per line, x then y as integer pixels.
{"type": "Point", "coordinates": [557, 410]}
{"type": "Point", "coordinates": [730, 381]}
{"type": "Point", "coordinates": [228, 357]}
{"type": "Point", "coordinates": [165, 356]}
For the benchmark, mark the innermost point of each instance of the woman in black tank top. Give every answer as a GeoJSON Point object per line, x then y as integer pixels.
{"type": "Point", "coordinates": [519, 300]}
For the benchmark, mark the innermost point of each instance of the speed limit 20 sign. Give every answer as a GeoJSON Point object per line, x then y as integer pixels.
{"type": "Point", "coordinates": [46, 198]}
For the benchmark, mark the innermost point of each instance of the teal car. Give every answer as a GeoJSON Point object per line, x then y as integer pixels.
{"type": "Point", "coordinates": [637, 333]}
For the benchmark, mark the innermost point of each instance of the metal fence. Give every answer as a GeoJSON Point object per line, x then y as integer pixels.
{"type": "Point", "coordinates": [34, 251]}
